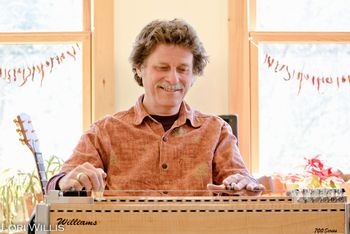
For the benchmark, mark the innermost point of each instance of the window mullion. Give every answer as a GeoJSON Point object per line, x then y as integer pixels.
{"type": "Point", "coordinates": [42, 37]}
{"type": "Point", "coordinates": [300, 37]}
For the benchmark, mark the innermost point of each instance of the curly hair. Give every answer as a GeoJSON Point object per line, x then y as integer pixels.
{"type": "Point", "coordinates": [173, 32]}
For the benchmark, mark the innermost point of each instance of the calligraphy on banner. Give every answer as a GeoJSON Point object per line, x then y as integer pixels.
{"type": "Point", "coordinates": [37, 71]}
{"type": "Point", "coordinates": [289, 73]}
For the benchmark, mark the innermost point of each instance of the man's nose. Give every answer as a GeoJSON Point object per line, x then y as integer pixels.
{"type": "Point", "coordinates": [173, 76]}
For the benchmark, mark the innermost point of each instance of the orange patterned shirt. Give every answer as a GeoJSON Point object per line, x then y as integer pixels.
{"type": "Point", "coordinates": [137, 154]}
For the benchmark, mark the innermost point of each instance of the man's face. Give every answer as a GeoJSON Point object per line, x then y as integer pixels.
{"type": "Point", "coordinates": [166, 75]}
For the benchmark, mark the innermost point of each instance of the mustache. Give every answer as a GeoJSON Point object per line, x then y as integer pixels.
{"type": "Point", "coordinates": [171, 87]}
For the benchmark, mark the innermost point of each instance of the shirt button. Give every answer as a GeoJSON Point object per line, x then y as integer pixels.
{"type": "Point", "coordinates": [165, 139]}
{"type": "Point", "coordinates": [165, 166]}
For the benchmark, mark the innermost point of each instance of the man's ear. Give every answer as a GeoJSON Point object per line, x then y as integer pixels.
{"type": "Point", "coordinates": [139, 71]}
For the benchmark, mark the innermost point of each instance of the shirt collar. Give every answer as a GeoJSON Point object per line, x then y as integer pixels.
{"type": "Point", "coordinates": [186, 113]}
{"type": "Point", "coordinates": [140, 111]}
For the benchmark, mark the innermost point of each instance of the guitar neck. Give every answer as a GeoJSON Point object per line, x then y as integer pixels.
{"type": "Point", "coordinates": [41, 170]}
{"type": "Point", "coordinates": [28, 137]}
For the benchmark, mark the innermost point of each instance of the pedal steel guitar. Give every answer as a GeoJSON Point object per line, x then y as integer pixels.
{"type": "Point", "coordinates": [209, 215]}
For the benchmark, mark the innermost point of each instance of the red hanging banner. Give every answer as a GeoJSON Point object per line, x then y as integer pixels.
{"type": "Point", "coordinates": [31, 72]}
{"type": "Point", "coordinates": [289, 73]}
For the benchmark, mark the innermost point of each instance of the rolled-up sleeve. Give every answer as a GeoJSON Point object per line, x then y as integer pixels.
{"type": "Point", "coordinates": [88, 150]}
{"type": "Point", "coordinates": [227, 158]}
{"type": "Point", "coordinates": [53, 182]}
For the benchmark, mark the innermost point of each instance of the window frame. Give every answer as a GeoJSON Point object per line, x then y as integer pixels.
{"type": "Point", "coordinates": [244, 69]}
{"type": "Point", "coordinates": [103, 59]}
{"type": "Point", "coordinates": [83, 37]}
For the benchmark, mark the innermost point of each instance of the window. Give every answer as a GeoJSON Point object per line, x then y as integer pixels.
{"type": "Point", "coordinates": [41, 16]}
{"type": "Point", "coordinates": [55, 36]}
{"type": "Point", "coordinates": [303, 115]}
{"type": "Point", "coordinates": [301, 15]}
{"type": "Point", "coordinates": [289, 120]}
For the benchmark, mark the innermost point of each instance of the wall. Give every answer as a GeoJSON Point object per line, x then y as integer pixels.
{"type": "Point", "coordinates": [209, 17]}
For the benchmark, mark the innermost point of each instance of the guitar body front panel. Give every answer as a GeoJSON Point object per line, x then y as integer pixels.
{"type": "Point", "coordinates": [212, 215]}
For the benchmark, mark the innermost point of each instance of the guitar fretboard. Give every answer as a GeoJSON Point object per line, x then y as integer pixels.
{"type": "Point", "coordinates": [41, 170]}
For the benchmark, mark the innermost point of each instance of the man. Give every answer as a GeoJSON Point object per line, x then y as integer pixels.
{"type": "Point", "coordinates": [161, 144]}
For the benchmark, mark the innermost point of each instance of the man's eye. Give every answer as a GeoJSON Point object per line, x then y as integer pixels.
{"type": "Point", "coordinates": [162, 68]}
{"type": "Point", "coordinates": [182, 70]}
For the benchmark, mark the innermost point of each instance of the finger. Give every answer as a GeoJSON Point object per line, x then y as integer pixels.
{"type": "Point", "coordinates": [235, 182]}
{"type": "Point", "coordinates": [255, 187]}
{"type": "Point", "coordinates": [95, 176]}
{"type": "Point", "coordinates": [233, 179]}
{"type": "Point", "coordinates": [251, 186]}
{"type": "Point", "coordinates": [69, 182]}
{"type": "Point", "coordinates": [84, 180]}
{"type": "Point", "coordinates": [94, 179]}
{"type": "Point", "coordinates": [102, 172]}
{"type": "Point", "coordinates": [260, 187]}
{"type": "Point", "coordinates": [239, 186]}
{"type": "Point", "coordinates": [74, 185]}
{"type": "Point", "coordinates": [221, 190]}
{"type": "Point", "coordinates": [214, 187]}
{"type": "Point", "coordinates": [101, 178]}
{"type": "Point", "coordinates": [227, 180]}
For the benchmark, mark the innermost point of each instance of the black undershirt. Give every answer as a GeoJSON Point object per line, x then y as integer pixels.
{"type": "Point", "coordinates": [166, 121]}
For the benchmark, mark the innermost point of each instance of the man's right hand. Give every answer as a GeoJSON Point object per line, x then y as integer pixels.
{"type": "Point", "coordinates": [84, 176]}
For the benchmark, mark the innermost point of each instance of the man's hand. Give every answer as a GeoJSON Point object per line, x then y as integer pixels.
{"type": "Point", "coordinates": [84, 176]}
{"type": "Point", "coordinates": [238, 185]}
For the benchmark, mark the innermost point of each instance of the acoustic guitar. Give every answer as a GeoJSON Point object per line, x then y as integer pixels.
{"type": "Point", "coordinates": [29, 138]}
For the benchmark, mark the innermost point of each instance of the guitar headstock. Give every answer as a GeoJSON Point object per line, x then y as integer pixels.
{"type": "Point", "coordinates": [26, 132]}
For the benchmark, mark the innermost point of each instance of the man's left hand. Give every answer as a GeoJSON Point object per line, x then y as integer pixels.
{"type": "Point", "coordinates": [238, 185]}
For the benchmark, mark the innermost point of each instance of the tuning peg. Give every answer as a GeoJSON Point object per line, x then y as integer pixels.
{"type": "Point", "coordinates": [29, 121]}
{"type": "Point", "coordinates": [22, 141]}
